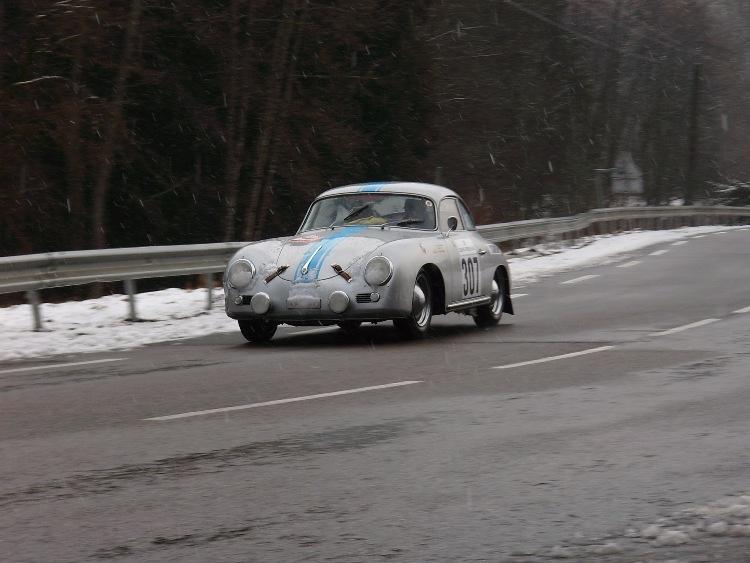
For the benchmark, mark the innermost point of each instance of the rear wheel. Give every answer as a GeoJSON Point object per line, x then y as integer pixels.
{"type": "Point", "coordinates": [257, 331]}
{"type": "Point", "coordinates": [490, 314]}
{"type": "Point", "coordinates": [417, 324]}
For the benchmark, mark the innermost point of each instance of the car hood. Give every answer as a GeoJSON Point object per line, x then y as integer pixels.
{"type": "Point", "coordinates": [311, 256]}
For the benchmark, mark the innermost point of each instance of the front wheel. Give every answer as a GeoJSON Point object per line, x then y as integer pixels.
{"type": "Point", "coordinates": [490, 314]}
{"type": "Point", "coordinates": [417, 324]}
{"type": "Point", "coordinates": [257, 331]}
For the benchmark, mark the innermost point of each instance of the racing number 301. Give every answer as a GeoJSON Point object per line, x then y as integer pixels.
{"type": "Point", "coordinates": [470, 269]}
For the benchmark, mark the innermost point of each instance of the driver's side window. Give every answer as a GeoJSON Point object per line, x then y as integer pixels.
{"type": "Point", "coordinates": [449, 208]}
{"type": "Point", "coordinates": [466, 217]}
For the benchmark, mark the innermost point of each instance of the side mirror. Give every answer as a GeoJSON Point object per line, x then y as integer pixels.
{"type": "Point", "coordinates": [452, 224]}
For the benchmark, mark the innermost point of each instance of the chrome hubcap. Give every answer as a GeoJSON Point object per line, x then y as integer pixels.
{"type": "Point", "coordinates": [421, 306]}
{"type": "Point", "coordinates": [496, 303]}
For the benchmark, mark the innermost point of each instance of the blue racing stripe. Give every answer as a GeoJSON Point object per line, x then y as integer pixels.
{"type": "Point", "coordinates": [372, 187]}
{"type": "Point", "coordinates": [317, 253]}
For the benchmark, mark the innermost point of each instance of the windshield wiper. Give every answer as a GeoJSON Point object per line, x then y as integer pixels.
{"type": "Point", "coordinates": [402, 222]}
{"type": "Point", "coordinates": [354, 213]}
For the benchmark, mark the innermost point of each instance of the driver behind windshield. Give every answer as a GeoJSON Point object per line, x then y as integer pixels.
{"type": "Point", "coordinates": [361, 210]}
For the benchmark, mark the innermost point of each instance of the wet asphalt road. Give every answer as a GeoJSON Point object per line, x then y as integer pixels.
{"type": "Point", "coordinates": [585, 428]}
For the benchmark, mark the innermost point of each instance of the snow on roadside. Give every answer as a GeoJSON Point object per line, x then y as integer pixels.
{"type": "Point", "coordinates": [591, 251]}
{"type": "Point", "coordinates": [691, 533]}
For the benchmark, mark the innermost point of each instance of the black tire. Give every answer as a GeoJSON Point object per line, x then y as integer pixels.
{"type": "Point", "coordinates": [257, 331]}
{"type": "Point", "coordinates": [490, 314]}
{"type": "Point", "coordinates": [417, 325]}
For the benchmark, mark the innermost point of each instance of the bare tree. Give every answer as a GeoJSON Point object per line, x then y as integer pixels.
{"type": "Point", "coordinates": [276, 106]}
{"type": "Point", "coordinates": [113, 126]}
{"type": "Point", "coordinates": [238, 78]}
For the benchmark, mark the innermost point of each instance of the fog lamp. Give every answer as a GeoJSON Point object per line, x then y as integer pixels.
{"type": "Point", "coordinates": [338, 302]}
{"type": "Point", "coordinates": [260, 303]}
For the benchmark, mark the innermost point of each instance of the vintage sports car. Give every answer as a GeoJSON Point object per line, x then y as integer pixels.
{"type": "Point", "coordinates": [367, 253]}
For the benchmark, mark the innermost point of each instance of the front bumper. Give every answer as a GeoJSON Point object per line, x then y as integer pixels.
{"type": "Point", "coordinates": [322, 302]}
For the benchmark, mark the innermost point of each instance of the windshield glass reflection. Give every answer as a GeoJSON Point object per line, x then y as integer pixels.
{"type": "Point", "coordinates": [376, 209]}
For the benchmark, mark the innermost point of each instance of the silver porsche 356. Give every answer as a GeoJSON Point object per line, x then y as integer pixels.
{"type": "Point", "coordinates": [367, 253]}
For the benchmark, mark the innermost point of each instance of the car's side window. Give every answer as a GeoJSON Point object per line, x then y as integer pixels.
{"type": "Point", "coordinates": [466, 217]}
{"type": "Point", "coordinates": [449, 208]}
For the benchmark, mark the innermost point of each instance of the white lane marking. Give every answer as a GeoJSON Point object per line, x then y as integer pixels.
{"type": "Point", "coordinates": [283, 401]}
{"type": "Point", "coordinates": [629, 264]}
{"type": "Point", "coordinates": [679, 243]}
{"type": "Point", "coordinates": [58, 366]}
{"type": "Point", "coordinates": [516, 295]}
{"type": "Point", "coordinates": [684, 327]}
{"type": "Point", "coordinates": [554, 358]}
{"type": "Point", "coordinates": [582, 278]}
{"type": "Point", "coordinates": [658, 252]}
{"type": "Point", "coordinates": [699, 236]}
{"type": "Point", "coordinates": [740, 311]}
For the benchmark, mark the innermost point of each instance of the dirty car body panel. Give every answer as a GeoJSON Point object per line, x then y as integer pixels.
{"type": "Point", "coordinates": [395, 251]}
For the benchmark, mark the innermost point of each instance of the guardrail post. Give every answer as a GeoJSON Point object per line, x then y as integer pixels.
{"type": "Point", "coordinates": [130, 291]}
{"type": "Point", "coordinates": [33, 298]}
{"type": "Point", "coordinates": [209, 289]}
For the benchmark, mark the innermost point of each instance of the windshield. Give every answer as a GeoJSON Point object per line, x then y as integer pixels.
{"type": "Point", "coordinates": [367, 208]}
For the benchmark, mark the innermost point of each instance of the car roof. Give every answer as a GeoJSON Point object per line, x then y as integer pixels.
{"type": "Point", "coordinates": [417, 188]}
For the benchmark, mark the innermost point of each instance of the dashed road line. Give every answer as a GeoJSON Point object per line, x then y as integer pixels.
{"type": "Point", "coordinates": [582, 278]}
{"type": "Point", "coordinates": [629, 264]}
{"type": "Point", "coordinates": [679, 243]}
{"type": "Point", "coordinates": [658, 252]}
{"type": "Point", "coordinates": [684, 327]}
{"type": "Point", "coordinates": [282, 401]}
{"type": "Point", "coordinates": [555, 358]}
{"type": "Point", "coordinates": [740, 311]}
{"type": "Point", "coordinates": [66, 365]}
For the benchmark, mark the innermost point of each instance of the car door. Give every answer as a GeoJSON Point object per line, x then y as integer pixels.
{"type": "Point", "coordinates": [465, 266]}
{"type": "Point", "coordinates": [487, 262]}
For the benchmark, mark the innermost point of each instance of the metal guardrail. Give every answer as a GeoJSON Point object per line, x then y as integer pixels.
{"type": "Point", "coordinates": [34, 272]}
{"type": "Point", "coordinates": [60, 269]}
{"type": "Point", "coordinates": [617, 218]}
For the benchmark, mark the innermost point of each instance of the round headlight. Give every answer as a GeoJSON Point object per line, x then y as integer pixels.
{"type": "Point", "coordinates": [378, 270]}
{"type": "Point", "coordinates": [240, 273]}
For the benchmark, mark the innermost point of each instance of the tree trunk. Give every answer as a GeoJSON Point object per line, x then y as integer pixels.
{"type": "Point", "coordinates": [266, 193]}
{"type": "Point", "coordinates": [283, 68]}
{"type": "Point", "coordinates": [113, 129]}
{"type": "Point", "coordinates": [237, 99]}
{"type": "Point", "coordinates": [73, 147]}
{"type": "Point", "coordinates": [691, 180]}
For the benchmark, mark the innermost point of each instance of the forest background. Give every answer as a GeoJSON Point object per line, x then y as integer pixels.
{"type": "Point", "coordinates": [148, 123]}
